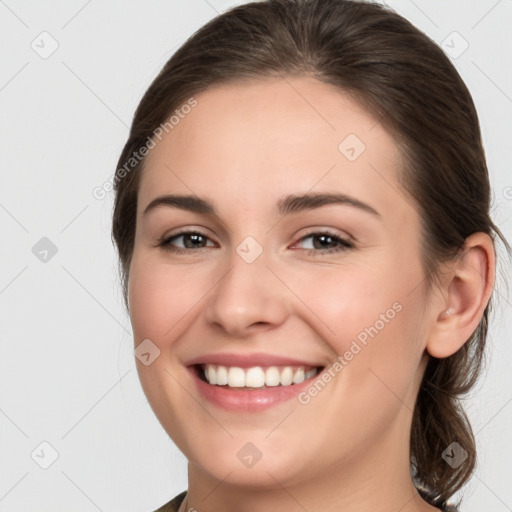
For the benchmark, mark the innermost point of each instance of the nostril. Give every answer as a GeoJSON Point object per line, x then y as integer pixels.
{"type": "Point", "coordinates": [259, 323]}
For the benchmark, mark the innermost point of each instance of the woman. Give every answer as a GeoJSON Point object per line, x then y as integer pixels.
{"type": "Point", "coordinates": [307, 256]}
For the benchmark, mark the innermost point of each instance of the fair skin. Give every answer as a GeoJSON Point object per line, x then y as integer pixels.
{"type": "Point", "coordinates": [243, 148]}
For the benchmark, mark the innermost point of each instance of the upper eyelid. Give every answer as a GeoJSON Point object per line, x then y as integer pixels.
{"type": "Point", "coordinates": [184, 231]}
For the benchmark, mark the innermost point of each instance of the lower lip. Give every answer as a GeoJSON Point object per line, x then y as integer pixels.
{"type": "Point", "coordinates": [236, 399]}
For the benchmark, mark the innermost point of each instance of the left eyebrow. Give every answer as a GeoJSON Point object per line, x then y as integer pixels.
{"type": "Point", "coordinates": [287, 205]}
{"type": "Point", "coordinates": [296, 203]}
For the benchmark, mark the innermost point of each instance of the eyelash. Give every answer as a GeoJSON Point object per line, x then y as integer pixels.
{"type": "Point", "coordinates": [165, 243]}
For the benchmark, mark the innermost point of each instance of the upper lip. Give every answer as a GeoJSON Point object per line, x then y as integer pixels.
{"type": "Point", "coordinates": [249, 360]}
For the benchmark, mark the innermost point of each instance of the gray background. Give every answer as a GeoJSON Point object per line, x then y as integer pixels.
{"type": "Point", "coordinates": [67, 371]}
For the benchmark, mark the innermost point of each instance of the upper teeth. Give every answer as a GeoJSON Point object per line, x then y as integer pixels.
{"type": "Point", "coordinates": [257, 377]}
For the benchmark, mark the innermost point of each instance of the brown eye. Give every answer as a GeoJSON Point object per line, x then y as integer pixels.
{"type": "Point", "coordinates": [190, 240]}
{"type": "Point", "coordinates": [325, 242]}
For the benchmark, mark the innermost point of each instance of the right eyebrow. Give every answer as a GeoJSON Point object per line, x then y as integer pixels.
{"type": "Point", "coordinates": [190, 203]}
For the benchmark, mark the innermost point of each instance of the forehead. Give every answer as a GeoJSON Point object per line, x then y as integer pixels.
{"type": "Point", "coordinates": [262, 138]}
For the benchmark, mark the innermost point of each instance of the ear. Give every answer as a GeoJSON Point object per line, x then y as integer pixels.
{"type": "Point", "coordinates": [465, 294]}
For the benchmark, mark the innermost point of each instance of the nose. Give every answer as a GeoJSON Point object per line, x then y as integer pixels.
{"type": "Point", "coordinates": [248, 298]}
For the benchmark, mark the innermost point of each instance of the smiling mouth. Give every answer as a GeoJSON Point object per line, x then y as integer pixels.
{"type": "Point", "coordinates": [256, 377]}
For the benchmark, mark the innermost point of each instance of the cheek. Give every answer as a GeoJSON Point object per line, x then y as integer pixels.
{"type": "Point", "coordinates": [349, 299]}
{"type": "Point", "coordinates": [370, 318]}
{"type": "Point", "coordinates": [161, 297]}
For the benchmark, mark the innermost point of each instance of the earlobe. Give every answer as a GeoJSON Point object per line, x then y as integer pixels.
{"type": "Point", "coordinates": [465, 297]}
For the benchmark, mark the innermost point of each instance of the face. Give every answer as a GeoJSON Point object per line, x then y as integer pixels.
{"type": "Point", "coordinates": [312, 310]}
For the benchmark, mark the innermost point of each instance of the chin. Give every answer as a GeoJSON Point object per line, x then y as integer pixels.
{"type": "Point", "coordinates": [264, 464]}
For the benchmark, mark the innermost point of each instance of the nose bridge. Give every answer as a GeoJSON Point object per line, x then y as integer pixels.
{"type": "Point", "coordinates": [249, 293]}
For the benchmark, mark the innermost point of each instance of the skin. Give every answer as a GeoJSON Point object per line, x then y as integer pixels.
{"type": "Point", "coordinates": [243, 147]}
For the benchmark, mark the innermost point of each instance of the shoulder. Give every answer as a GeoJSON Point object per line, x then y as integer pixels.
{"type": "Point", "coordinates": [174, 504]}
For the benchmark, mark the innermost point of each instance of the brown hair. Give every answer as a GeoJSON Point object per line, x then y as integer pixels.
{"type": "Point", "coordinates": [403, 78]}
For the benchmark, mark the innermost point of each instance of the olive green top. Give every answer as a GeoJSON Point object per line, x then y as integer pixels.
{"type": "Point", "coordinates": [174, 504]}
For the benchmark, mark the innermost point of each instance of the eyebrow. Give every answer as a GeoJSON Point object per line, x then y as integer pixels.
{"type": "Point", "coordinates": [287, 205]}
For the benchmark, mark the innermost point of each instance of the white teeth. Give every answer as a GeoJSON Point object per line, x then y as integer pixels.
{"type": "Point", "coordinates": [256, 377]}
{"type": "Point", "coordinates": [222, 376]}
{"type": "Point", "coordinates": [286, 376]}
{"type": "Point", "coordinates": [299, 376]}
{"type": "Point", "coordinates": [272, 376]}
{"type": "Point", "coordinates": [310, 373]}
{"type": "Point", "coordinates": [211, 375]}
{"type": "Point", "coordinates": [236, 377]}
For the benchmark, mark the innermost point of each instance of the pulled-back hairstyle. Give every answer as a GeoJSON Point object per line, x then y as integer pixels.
{"type": "Point", "coordinates": [400, 76]}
